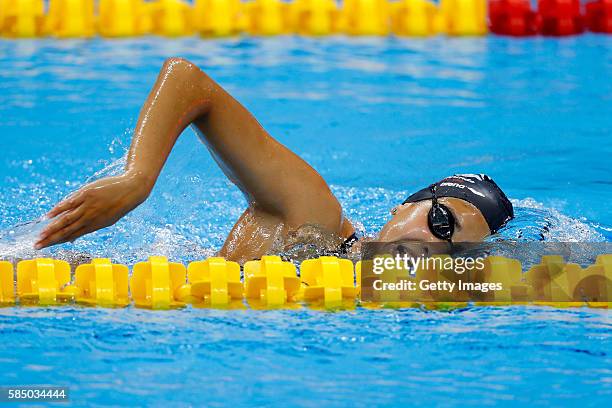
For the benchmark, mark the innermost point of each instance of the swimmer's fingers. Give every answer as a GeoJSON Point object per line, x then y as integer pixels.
{"type": "Point", "coordinates": [63, 220]}
{"type": "Point", "coordinates": [70, 202]}
{"type": "Point", "coordinates": [63, 227]}
{"type": "Point", "coordinates": [75, 235]}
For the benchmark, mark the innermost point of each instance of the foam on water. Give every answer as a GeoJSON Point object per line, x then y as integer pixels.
{"type": "Point", "coordinates": [18, 241]}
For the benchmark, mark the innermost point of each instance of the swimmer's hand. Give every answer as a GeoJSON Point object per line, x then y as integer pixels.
{"type": "Point", "coordinates": [94, 206]}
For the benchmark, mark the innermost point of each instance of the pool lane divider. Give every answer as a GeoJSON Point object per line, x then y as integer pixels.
{"type": "Point", "coordinates": [7, 283]}
{"type": "Point", "coordinates": [326, 282]}
{"type": "Point", "coordinates": [222, 18]}
{"type": "Point", "coordinates": [101, 283]}
{"type": "Point", "coordinates": [43, 281]}
{"type": "Point", "coordinates": [215, 281]}
{"type": "Point", "coordinates": [271, 281]}
{"type": "Point", "coordinates": [328, 278]}
{"type": "Point", "coordinates": [159, 284]}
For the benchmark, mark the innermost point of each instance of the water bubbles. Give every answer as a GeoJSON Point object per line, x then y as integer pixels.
{"type": "Point", "coordinates": [174, 224]}
{"type": "Point", "coordinates": [536, 222]}
{"type": "Point", "coordinates": [18, 241]}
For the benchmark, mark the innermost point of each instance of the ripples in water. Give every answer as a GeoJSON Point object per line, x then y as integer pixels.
{"type": "Point", "coordinates": [392, 115]}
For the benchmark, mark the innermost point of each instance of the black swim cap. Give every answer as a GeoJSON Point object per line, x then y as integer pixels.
{"type": "Point", "coordinates": [477, 189]}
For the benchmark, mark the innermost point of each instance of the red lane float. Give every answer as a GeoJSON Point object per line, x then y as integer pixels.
{"type": "Point", "coordinates": [599, 16]}
{"type": "Point", "coordinates": [561, 17]}
{"type": "Point", "coordinates": [513, 17]}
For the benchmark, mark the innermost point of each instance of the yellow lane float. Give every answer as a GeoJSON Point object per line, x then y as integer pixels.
{"type": "Point", "coordinates": [464, 17]}
{"type": "Point", "coordinates": [383, 299]}
{"type": "Point", "coordinates": [328, 279]}
{"type": "Point", "coordinates": [159, 284]}
{"type": "Point", "coordinates": [267, 17]}
{"type": "Point", "coordinates": [22, 18]}
{"type": "Point", "coordinates": [7, 283]}
{"type": "Point", "coordinates": [145, 22]}
{"type": "Point", "coordinates": [171, 18]}
{"type": "Point", "coordinates": [218, 18]}
{"type": "Point", "coordinates": [271, 281]}
{"type": "Point", "coordinates": [576, 284]}
{"type": "Point", "coordinates": [415, 18]}
{"type": "Point", "coordinates": [558, 284]}
{"type": "Point", "coordinates": [70, 19]}
{"type": "Point", "coordinates": [443, 273]}
{"type": "Point", "coordinates": [605, 284]}
{"type": "Point", "coordinates": [43, 280]}
{"type": "Point", "coordinates": [215, 281]}
{"type": "Point", "coordinates": [539, 278]}
{"type": "Point", "coordinates": [366, 17]}
{"type": "Point", "coordinates": [605, 261]}
{"type": "Point", "coordinates": [314, 17]}
{"type": "Point", "coordinates": [366, 278]}
{"type": "Point", "coordinates": [101, 283]}
{"type": "Point", "coordinates": [508, 273]}
{"type": "Point", "coordinates": [120, 18]}
{"type": "Point", "coordinates": [439, 273]}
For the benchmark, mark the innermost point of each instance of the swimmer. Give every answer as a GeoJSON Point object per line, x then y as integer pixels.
{"type": "Point", "coordinates": [283, 192]}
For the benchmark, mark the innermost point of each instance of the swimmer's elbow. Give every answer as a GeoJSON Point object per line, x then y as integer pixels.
{"type": "Point", "coordinates": [183, 70]}
{"type": "Point", "coordinates": [178, 64]}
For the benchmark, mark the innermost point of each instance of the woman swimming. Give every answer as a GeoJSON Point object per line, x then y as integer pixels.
{"type": "Point", "coordinates": [283, 192]}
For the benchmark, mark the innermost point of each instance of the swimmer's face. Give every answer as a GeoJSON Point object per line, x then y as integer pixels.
{"type": "Point", "coordinates": [409, 222]}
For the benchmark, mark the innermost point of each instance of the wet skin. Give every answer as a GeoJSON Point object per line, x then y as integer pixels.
{"type": "Point", "coordinates": [409, 222]}
{"type": "Point", "coordinates": [283, 192]}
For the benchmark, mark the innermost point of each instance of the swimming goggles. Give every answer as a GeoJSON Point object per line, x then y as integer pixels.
{"type": "Point", "coordinates": [440, 219]}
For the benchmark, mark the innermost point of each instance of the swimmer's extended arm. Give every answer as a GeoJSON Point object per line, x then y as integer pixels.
{"type": "Point", "coordinates": [274, 179]}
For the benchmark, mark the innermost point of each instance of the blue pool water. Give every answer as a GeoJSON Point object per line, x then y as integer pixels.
{"type": "Point", "coordinates": [378, 118]}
